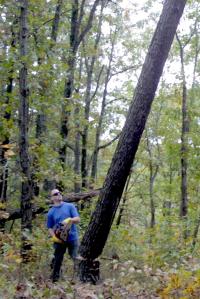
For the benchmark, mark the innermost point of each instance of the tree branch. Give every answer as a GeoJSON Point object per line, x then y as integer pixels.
{"type": "Point", "coordinates": [108, 143]}
{"type": "Point", "coordinates": [116, 99]}
{"type": "Point", "coordinates": [56, 20]}
{"type": "Point", "coordinates": [89, 23]}
{"type": "Point", "coordinates": [70, 197]}
{"type": "Point", "coordinates": [124, 70]}
{"type": "Point", "coordinates": [69, 145]}
{"type": "Point", "coordinates": [97, 85]}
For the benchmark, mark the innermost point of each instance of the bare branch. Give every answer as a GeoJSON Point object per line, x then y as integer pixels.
{"type": "Point", "coordinates": [108, 143]}
{"type": "Point", "coordinates": [128, 68]}
{"type": "Point", "coordinates": [69, 145]}
{"type": "Point", "coordinates": [46, 22]}
{"type": "Point", "coordinates": [98, 80]}
{"type": "Point", "coordinates": [115, 100]}
{"type": "Point", "coordinates": [89, 23]}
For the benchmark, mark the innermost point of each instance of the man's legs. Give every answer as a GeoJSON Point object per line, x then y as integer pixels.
{"type": "Point", "coordinates": [73, 248]}
{"type": "Point", "coordinates": [73, 252]}
{"type": "Point", "coordinates": [59, 252]}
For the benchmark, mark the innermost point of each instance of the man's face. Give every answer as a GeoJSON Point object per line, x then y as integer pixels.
{"type": "Point", "coordinates": [56, 196]}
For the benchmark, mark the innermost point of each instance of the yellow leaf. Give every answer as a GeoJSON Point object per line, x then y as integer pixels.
{"type": "Point", "coordinates": [2, 205]}
{"type": "Point", "coordinates": [18, 260]}
{"type": "Point", "coordinates": [4, 215]}
{"type": "Point", "coordinates": [7, 146]}
{"type": "Point", "coordinates": [9, 153]}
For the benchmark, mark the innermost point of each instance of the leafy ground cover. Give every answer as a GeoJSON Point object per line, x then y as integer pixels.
{"type": "Point", "coordinates": [135, 264]}
{"type": "Point", "coordinates": [119, 279]}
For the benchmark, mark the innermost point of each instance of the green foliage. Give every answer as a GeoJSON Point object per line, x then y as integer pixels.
{"type": "Point", "coordinates": [136, 253]}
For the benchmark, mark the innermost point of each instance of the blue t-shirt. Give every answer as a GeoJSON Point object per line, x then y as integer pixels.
{"type": "Point", "coordinates": [59, 213]}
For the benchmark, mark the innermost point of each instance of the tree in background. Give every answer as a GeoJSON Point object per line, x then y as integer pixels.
{"type": "Point", "coordinates": [77, 33]}
{"type": "Point", "coordinates": [26, 187]}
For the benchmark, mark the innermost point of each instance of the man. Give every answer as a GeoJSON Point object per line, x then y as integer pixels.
{"type": "Point", "coordinates": [64, 214]}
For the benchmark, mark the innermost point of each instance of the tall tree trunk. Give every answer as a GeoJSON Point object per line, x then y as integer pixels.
{"type": "Point", "coordinates": [167, 203]}
{"type": "Point", "coordinates": [96, 235]}
{"type": "Point", "coordinates": [26, 189]}
{"type": "Point", "coordinates": [41, 119]}
{"type": "Point", "coordinates": [90, 63]}
{"type": "Point", "coordinates": [195, 233]}
{"type": "Point", "coordinates": [76, 37]}
{"type": "Point", "coordinates": [77, 149]}
{"type": "Point", "coordinates": [121, 211]}
{"type": "Point", "coordinates": [3, 180]}
{"type": "Point", "coordinates": [184, 137]}
{"type": "Point", "coordinates": [77, 153]}
{"type": "Point", "coordinates": [7, 117]}
{"type": "Point", "coordinates": [152, 203]}
{"type": "Point", "coordinates": [153, 167]}
{"type": "Point", "coordinates": [103, 107]}
{"type": "Point", "coordinates": [69, 82]}
{"type": "Point", "coordinates": [153, 170]}
{"type": "Point", "coordinates": [56, 21]}
{"type": "Point", "coordinates": [197, 51]}
{"type": "Point", "coordinates": [6, 139]}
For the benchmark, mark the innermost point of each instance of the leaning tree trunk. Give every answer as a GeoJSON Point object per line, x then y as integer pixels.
{"type": "Point", "coordinates": [96, 235]}
{"type": "Point", "coordinates": [26, 189]}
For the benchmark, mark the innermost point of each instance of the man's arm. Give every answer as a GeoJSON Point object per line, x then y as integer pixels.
{"type": "Point", "coordinates": [75, 220]}
{"type": "Point", "coordinates": [71, 220]}
{"type": "Point", "coordinates": [51, 232]}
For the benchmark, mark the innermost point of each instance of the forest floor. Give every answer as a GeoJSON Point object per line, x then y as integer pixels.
{"type": "Point", "coordinates": [130, 285]}
{"type": "Point", "coordinates": [124, 277]}
{"type": "Point", "coordinates": [119, 280]}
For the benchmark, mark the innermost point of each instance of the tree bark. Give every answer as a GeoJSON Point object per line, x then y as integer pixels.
{"type": "Point", "coordinates": [96, 235]}
{"type": "Point", "coordinates": [26, 188]}
{"type": "Point", "coordinates": [184, 137]}
{"type": "Point", "coordinates": [153, 171]}
{"type": "Point", "coordinates": [56, 21]}
{"type": "Point", "coordinates": [77, 153]}
{"type": "Point", "coordinates": [77, 149]}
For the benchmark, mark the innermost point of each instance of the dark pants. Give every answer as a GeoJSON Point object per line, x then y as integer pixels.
{"type": "Point", "coordinates": [59, 252]}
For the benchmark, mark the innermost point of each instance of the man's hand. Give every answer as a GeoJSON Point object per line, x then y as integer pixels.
{"type": "Point", "coordinates": [67, 221]}
{"type": "Point", "coordinates": [56, 240]}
